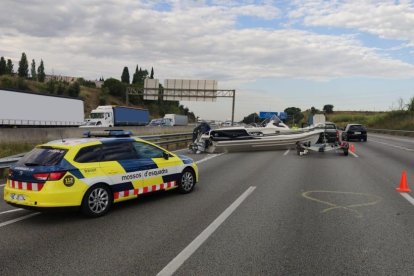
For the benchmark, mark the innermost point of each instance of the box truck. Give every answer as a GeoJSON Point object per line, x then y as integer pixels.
{"type": "Point", "coordinates": [27, 109]}
{"type": "Point", "coordinates": [177, 120]}
{"type": "Point", "coordinates": [110, 116]}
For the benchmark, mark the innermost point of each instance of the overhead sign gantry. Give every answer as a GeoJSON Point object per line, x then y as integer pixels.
{"type": "Point", "coordinates": [183, 90]}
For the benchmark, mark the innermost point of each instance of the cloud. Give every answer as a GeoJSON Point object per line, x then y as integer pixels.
{"type": "Point", "coordinates": [188, 39]}
{"type": "Point", "coordinates": [386, 19]}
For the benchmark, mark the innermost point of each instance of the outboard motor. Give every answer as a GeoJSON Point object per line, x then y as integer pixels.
{"type": "Point", "coordinates": [202, 128]}
{"type": "Point", "coordinates": [199, 146]}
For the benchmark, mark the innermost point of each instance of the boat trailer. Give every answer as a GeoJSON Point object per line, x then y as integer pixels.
{"type": "Point", "coordinates": [304, 148]}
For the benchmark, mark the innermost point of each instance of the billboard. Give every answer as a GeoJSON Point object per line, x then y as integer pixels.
{"type": "Point", "coordinates": [151, 89]}
{"type": "Point", "coordinates": [190, 90]}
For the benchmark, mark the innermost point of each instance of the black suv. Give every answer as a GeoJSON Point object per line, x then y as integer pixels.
{"type": "Point", "coordinates": [354, 132]}
{"type": "Point", "coordinates": [331, 134]}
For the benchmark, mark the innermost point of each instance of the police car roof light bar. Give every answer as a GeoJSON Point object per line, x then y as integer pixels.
{"type": "Point", "coordinates": [108, 133]}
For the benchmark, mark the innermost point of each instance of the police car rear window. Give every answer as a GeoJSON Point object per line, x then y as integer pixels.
{"type": "Point", "coordinates": [89, 154]}
{"type": "Point", "coordinates": [42, 157]}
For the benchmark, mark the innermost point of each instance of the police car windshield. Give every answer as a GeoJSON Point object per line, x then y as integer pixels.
{"type": "Point", "coordinates": [42, 157]}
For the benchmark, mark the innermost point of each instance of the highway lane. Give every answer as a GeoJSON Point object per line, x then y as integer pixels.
{"type": "Point", "coordinates": [282, 228]}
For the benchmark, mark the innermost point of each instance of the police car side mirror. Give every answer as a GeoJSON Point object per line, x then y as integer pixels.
{"type": "Point", "coordinates": [165, 155]}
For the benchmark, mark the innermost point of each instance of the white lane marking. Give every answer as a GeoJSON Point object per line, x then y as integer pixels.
{"type": "Point", "coordinates": [286, 152]}
{"type": "Point", "coordinates": [408, 197]}
{"type": "Point", "coordinates": [208, 158]}
{"type": "Point", "coordinates": [17, 219]}
{"type": "Point", "coordinates": [391, 145]}
{"type": "Point", "coordinates": [197, 242]}
{"type": "Point", "coordinates": [11, 211]}
{"type": "Point", "coordinates": [1, 185]}
{"type": "Point", "coordinates": [393, 138]}
{"type": "Point", "coordinates": [353, 154]}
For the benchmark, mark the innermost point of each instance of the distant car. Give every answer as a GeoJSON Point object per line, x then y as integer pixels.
{"type": "Point", "coordinates": [93, 173]}
{"type": "Point", "coordinates": [331, 134]}
{"type": "Point", "coordinates": [354, 132]}
{"type": "Point", "coordinates": [160, 122]}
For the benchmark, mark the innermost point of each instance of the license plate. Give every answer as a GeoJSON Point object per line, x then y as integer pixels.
{"type": "Point", "coordinates": [357, 133]}
{"type": "Point", "coordinates": [17, 197]}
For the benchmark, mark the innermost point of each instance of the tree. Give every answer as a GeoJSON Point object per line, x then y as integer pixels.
{"type": "Point", "coordinates": [33, 70]}
{"type": "Point", "coordinates": [152, 73]}
{"type": "Point", "coordinates": [328, 108]}
{"type": "Point", "coordinates": [73, 89]}
{"type": "Point", "coordinates": [114, 87]}
{"type": "Point", "coordinates": [294, 114]}
{"type": "Point", "coordinates": [125, 75]}
{"type": "Point", "coordinates": [135, 76]}
{"type": "Point", "coordinates": [9, 67]}
{"type": "Point", "coordinates": [253, 118]}
{"type": "Point", "coordinates": [314, 110]}
{"type": "Point", "coordinates": [41, 72]}
{"type": "Point", "coordinates": [23, 70]}
{"type": "Point", "coordinates": [2, 66]}
{"type": "Point", "coordinates": [410, 105]}
{"type": "Point", "coordinates": [139, 76]}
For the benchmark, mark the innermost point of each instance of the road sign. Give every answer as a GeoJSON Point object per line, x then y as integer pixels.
{"type": "Point", "coordinates": [266, 114]}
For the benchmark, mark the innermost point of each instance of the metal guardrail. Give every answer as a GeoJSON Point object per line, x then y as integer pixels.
{"type": "Point", "coordinates": [18, 122]}
{"type": "Point", "coordinates": [162, 140]}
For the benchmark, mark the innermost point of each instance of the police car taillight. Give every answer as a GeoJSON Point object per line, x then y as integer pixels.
{"type": "Point", "coordinates": [53, 176]}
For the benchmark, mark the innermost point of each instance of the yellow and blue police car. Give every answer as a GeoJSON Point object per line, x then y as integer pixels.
{"type": "Point", "coordinates": [95, 172]}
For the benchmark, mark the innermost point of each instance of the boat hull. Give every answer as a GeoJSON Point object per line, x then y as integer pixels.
{"type": "Point", "coordinates": [273, 142]}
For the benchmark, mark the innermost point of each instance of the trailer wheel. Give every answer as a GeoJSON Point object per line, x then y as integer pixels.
{"type": "Point", "coordinates": [298, 149]}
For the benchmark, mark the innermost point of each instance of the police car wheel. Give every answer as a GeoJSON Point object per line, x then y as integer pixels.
{"type": "Point", "coordinates": [97, 201]}
{"type": "Point", "coordinates": [187, 181]}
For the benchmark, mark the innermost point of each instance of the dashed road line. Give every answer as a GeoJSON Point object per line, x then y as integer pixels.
{"type": "Point", "coordinates": [407, 197]}
{"type": "Point", "coordinates": [200, 239]}
{"type": "Point", "coordinates": [18, 219]}
{"type": "Point", "coordinates": [210, 156]}
{"type": "Point", "coordinates": [11, 211]}
{"type": "Point", "coordinates": [286, 152]}
{"type": "Point", "coordinates": [353, 154]}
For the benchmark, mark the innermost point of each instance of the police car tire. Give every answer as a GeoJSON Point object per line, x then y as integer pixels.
{"type": "Point", "coordinates": [187, 181]}
{"type": "Point", "coordinates": [104, 195]}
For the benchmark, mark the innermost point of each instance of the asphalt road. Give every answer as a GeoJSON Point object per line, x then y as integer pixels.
{"type": "Point", "coordinates": [274, 213]}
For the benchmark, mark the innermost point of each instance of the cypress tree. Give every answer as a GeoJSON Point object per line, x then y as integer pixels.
{"type": "Point", "coordinates": [125, 75]}
{"type": "Point", "coordinates": [2, 66]}
{"type": "Point", "coordinates": [41, 72]}
{"type": "Point", "coordinates": [33, 70]}
{"type": "Point", "coordinates": [152, 73]}
{"type": "Point", "coordinates": [9, 67]}
{"type": "Point", "coordinates": [23, 70]}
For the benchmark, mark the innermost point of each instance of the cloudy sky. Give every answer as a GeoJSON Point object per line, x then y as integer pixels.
{"type": "Point", "coordinates": [356, 55]}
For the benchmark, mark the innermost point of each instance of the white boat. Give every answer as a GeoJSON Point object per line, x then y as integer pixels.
{"type": "Point", "coordinates": [272, 136]}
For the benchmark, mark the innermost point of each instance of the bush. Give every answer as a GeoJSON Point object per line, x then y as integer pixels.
{"type": "Point", "coordinates": [115, 87]}
{"type": "Point", "coordinates": [7, 82]}
{"type": "Point", "coordinates": [73, 89]}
